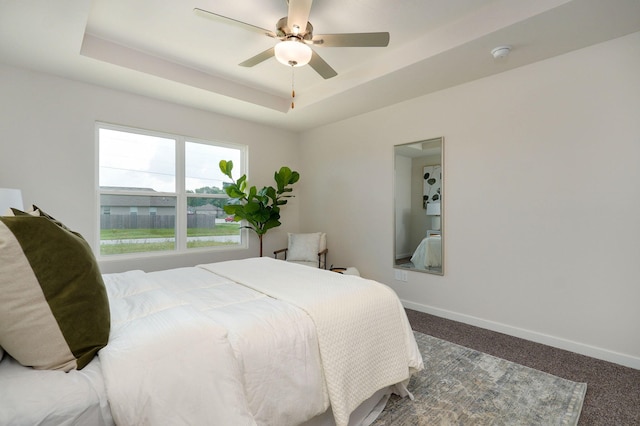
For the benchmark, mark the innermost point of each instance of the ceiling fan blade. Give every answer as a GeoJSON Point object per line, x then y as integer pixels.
{"type": "Point", "coordinates": [298, 14]}
{"type": "Point", "coordinates": [321, 67]}
{"type": "Point", "coordinates": [210, 15]}
{"type": "Point", "coordinates": [260, 57]}
{"type": "Point", "coordinates": [352, 40]}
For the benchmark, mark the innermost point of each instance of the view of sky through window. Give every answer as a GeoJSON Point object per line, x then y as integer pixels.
{"type": "Point", "coordinates": [149, 162]}
{"type": "Point", "coordinates": [129, 159]}
{"type": "Point", "coordinates": [201, 165]}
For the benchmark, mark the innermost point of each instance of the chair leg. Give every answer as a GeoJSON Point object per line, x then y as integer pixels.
{"type": "Point", "coordinates": [322, 261]}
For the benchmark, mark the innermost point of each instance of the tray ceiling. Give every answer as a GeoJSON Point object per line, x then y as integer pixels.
{"type": "Point", "coordinates": [161, 49]}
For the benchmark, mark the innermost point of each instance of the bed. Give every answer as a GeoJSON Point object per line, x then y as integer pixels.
{"type": "Point", "coordinates": [428, 254]}
{"type": "Point", "coordinates": [247, 342]}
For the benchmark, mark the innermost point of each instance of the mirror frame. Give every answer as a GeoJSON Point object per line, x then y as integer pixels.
{"type": "Point", "coordinates": [418, 146]}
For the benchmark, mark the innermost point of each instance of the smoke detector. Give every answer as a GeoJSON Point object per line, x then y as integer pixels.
{"type": "Point", "coordinates": [500, 51]}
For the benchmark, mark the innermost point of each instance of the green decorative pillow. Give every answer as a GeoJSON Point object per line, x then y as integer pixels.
{"type": "Point", "coordinates": [54, 311]}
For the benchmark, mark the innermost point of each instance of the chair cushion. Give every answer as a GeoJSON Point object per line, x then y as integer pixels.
{"type": "Point", "coordinates": [323, 241]}
{"type": "Point", "coordinates": [54, 310]}
{"type": "Point", "coordinates": [313, 264]}
{"type": "Point", "coordinates": [304, 247]}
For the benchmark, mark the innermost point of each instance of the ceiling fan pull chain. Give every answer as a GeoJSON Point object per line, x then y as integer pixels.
{"type": "Point", "coordinates": [293, 90]}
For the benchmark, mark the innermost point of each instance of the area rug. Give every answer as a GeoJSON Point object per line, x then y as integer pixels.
{"type": "Point", "coordinates": [461, 386]}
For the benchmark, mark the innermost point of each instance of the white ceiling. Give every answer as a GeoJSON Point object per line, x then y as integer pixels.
{"type": "Point", "coordinates": [161, 49]}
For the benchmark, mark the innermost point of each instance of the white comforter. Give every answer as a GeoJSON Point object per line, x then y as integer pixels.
{"type": "Point", "coordinates": [429, 253]}
{"type": "Point", "coordinates": [155, 343]}
{"type": "Point", "coordinates": [364, 336]}
{"type": "Point", "coordinates": [188, 346]}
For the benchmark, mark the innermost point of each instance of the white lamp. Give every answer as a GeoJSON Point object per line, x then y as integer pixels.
{"type": "Point", "coordinates": [10, 197]}
{"type": "Point", "coordinates": [293, 52]}
{"type": "Point", "coordinates": [433, 209]}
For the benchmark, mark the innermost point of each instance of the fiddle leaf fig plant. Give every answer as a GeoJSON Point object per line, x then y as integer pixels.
{"type": "Point", "coordinates": [259, 207]}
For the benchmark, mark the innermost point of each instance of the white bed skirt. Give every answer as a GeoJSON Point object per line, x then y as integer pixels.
{"type": "Point", "coordinates": [364, 415]}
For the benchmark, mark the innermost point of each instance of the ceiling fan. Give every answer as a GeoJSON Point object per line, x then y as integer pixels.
{"type": "Point", "coordinates": [295, 33]}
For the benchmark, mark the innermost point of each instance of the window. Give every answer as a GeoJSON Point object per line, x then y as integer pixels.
{"type": "Point", "coordinates": [161, 192]}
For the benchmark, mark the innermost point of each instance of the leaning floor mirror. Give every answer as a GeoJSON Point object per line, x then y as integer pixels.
{"type": "Point", "coordinates": [419, 207]}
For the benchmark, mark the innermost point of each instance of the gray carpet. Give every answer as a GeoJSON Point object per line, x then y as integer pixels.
{"type": "Point", "coordinates": [613, 394]}
{"type": "Point", "coordinates": [461, 386]}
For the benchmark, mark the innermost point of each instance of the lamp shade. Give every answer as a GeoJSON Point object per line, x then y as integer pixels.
{"type": "Point", "coordinates": [433, 209]}
{"type": "Point", "coordinates": [10, 197]}
{"type": "Point", "coordinates": [293, 52]}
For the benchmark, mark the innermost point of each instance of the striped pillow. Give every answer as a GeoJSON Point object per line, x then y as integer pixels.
{"type": "Point", "coordinates": [54, 311]}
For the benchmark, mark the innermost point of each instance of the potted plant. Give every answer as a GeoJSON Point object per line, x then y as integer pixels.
{"type": "Point", "coordinates": [260, 208]}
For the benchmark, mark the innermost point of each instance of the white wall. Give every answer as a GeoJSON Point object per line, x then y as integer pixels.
{"type": "Point", "coordinates": [47, 148]}
{"type": "Point", "coordinates": [542, 183]}
{"type": "Point", "coordinates": [402, 205]}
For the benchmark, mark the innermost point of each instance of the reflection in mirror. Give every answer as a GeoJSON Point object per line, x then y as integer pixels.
{"type": "Point", "coordinates": [419, 206]}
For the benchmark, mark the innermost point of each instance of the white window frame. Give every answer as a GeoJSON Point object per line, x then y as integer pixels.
{"type": "Point", "coordinates": [180, 194]}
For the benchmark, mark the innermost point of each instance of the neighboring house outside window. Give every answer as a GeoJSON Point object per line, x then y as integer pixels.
{"type": "Point", "coordinates": [161, 192]}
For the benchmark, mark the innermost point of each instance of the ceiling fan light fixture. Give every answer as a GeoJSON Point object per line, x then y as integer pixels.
{"type": "Point", "coordinates": [293, 52]}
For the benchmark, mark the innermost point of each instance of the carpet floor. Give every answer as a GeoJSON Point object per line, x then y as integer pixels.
{"type": "Point", "coordinates": [613, 391]}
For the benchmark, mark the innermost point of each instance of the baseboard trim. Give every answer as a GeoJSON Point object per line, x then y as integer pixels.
{"type": "Point", "coordinates": [545, 339]}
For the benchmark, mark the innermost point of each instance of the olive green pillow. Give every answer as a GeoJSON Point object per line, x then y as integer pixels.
{"type": "Point", "coordinates": [54, 311]}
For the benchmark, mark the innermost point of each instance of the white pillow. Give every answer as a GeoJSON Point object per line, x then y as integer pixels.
{"type": "Point", "coordinates": [304, 247]}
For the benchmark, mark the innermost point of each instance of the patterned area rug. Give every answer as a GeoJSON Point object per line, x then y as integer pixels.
{"type": "Point", "coordinates": [461, 386]}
